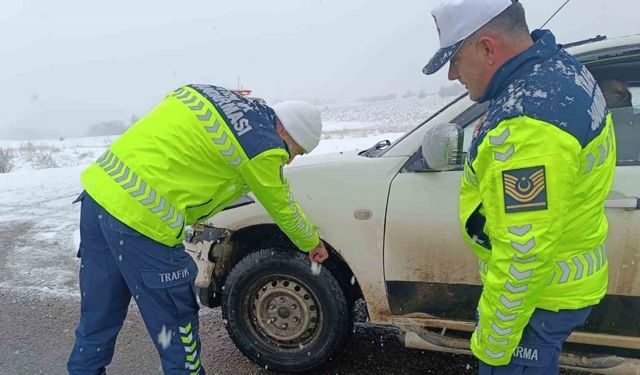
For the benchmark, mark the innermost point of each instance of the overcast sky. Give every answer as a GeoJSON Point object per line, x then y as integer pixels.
{"type": "Point", "coordinates": [67, 64]}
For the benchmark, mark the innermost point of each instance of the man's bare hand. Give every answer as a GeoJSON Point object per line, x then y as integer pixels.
{"type": "Point", "coordinates": [319, 254]}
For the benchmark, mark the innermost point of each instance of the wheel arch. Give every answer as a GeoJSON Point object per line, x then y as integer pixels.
{"type": "Point", "coordinates": [256, 237]}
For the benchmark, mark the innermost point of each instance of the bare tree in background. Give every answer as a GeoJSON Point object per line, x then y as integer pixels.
{"type": "Point", "coordinates": [6, 159]}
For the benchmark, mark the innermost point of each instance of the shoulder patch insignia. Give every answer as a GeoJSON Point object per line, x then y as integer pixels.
{"type": "Point", "coordinates": [524, 189]}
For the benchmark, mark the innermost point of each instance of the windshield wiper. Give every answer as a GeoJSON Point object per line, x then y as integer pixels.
{"type": "Point", "coordinates": [373, 151]}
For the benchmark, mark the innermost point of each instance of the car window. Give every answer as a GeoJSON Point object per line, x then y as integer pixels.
{"type": "Point", "coordinates": [468, 135]}
{"type": "Point", "coordinates": [467, 120]}
{"type": "Point", "coordinates": [635, 96]}
{"type": "Point", "coordinates": [627, 123]}
{"type": "Point", "coordinates": [627, 126]}
{"type": "Point", "coordinates": [620, 85]}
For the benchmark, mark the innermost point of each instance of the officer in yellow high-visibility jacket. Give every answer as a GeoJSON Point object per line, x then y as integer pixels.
{"type": "Point", "coordinates": [186, 160]}
{"type": "Point", "coordinates": [538, 171]}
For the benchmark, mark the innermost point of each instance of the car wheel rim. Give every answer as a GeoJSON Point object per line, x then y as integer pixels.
{"type": "Point", "coordinates": [284, 312]}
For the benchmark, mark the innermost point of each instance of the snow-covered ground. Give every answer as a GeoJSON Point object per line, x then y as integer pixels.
{"type": "Point", "coordinates": [39, 225]}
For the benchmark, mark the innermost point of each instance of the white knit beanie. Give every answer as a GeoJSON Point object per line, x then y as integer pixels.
{"type": "Point", "coordinates": [302, 121]}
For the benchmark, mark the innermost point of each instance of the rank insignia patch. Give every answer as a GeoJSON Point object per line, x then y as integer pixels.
{"type": "Point", "coordinates": [524, 189]}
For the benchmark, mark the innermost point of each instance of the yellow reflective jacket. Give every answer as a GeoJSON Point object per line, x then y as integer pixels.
{"type": "Point", "coordinates": [196, 152]}
{"type": "Point", "coordinates": [533, 191]}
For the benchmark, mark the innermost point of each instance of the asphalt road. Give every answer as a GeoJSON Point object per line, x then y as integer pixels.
{"type": "Point", "coordinates": [37, 335]}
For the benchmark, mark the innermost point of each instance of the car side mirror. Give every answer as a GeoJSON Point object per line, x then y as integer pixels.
{"type": "Point", "coordinates": [442, 147]}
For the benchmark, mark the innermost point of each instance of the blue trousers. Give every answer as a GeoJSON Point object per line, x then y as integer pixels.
{"type": "Point", "coordinates": [118, 263]}
{"type": "Point", "coordinates": [541, 343]}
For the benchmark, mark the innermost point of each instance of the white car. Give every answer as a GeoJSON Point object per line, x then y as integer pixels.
{"type": "Point", "coordinates": [391, 224]}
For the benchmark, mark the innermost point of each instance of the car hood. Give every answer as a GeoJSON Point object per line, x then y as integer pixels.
{"type": "Point", "coordinates": [327, 187]}
{"type": "Point", "coordinates": [311, 160]}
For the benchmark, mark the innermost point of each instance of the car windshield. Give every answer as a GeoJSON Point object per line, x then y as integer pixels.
{"type": "Point", "coordinates": [381, 151]}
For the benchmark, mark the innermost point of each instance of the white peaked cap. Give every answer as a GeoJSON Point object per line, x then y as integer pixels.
{"type": "Point", "coordinates": [458, 19]}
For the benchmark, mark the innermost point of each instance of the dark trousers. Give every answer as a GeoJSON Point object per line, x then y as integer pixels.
{"type": "Point", "coordinates": [541, 343]}
{"type": "Point", "coordinates": [118, 263]}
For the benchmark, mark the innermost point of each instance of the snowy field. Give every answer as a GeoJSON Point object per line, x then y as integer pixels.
{"type": "Point", "coordinates": [39, 225]}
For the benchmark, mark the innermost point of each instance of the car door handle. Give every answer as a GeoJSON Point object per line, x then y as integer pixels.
{"type": "Point", "coordinates": [625, 203]}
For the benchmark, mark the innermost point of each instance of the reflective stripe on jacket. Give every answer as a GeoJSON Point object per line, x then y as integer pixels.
{"type": "Point", "coordinates": [196, 152]}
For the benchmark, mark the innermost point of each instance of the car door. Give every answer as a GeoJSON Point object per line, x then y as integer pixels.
{"type": "Point", "coordinates": [428, 267]}
{"type": "Point", "coordinates": [617, 312]}
{"type": "Point", "coordinates": [431, 273]}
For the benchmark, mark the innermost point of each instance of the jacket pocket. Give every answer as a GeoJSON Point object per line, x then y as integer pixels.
{"type": "Point", "coordinates": [170, 278]}
{"type": "Point", "coordinates": [176, 287]}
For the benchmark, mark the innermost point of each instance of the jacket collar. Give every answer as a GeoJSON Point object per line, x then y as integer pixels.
{"type": "Point", "coordinates": [544, 46]}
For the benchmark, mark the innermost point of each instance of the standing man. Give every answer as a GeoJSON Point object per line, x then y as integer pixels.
{"type": "Point", "coordinates": [192, 155]}
{"type": "Point", "coordinates": [537, 175]}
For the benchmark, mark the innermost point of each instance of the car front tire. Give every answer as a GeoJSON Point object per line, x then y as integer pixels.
{"type": "Point", "coordinates": [281, 315]}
